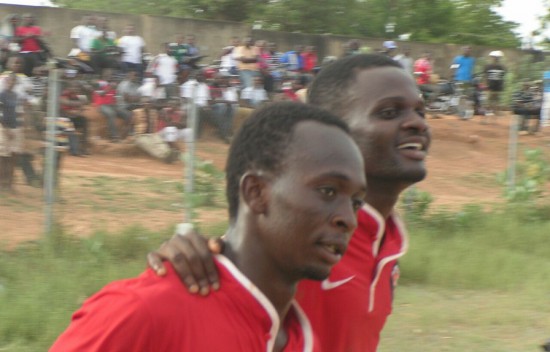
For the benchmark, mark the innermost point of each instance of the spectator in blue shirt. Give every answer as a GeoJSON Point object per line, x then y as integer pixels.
{"type": "Point", "coordinates": [463, 66]}
{"type": "Point", "coordinates": [293, 60]}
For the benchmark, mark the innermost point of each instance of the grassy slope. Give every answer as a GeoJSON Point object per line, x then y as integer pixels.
{"type": "Point", "coordinates": [471, 281]}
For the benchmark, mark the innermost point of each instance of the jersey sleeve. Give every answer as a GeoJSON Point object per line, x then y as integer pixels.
{"type": "Point", "coordinates": [111, 320]}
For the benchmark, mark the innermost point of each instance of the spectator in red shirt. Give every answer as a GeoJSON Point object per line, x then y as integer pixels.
{"type": "Point", "coordinates": [105, 98]}
{"type": "Point", "coordinates": [423, 69]}
{"type": "Point", "coordinates": [29, 37]}
{"type": "Point", "coordinates": [310, 59]}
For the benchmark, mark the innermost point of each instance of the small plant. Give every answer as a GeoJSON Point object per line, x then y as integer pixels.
{"type": "Point", "coordinates": [208, 185]}
{"type": "Point", "coordinates": [416, 202]}
{"type": "Point", "coordinates": [531, 176]}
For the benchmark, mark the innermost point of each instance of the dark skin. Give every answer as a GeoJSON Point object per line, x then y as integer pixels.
{"type": "Point", "coordinates": [311, 204]}
{"type": "Point", "coordinates": [386, 113]}
{"type": "Point", "coordinates": [248, 60]}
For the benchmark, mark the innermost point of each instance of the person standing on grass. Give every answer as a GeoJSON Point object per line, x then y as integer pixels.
{"type": "Point", "coordinates": [381, 103]}
{"type": "Point", "coordinates": [293, 202]}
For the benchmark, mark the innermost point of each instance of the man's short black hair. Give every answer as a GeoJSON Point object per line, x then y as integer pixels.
{"type": "Point", "coordinates": [262, 142]}
{"type": "Point", "coordinates": [331, 88]}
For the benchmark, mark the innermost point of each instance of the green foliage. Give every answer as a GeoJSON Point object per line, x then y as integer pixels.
{"type": "Point", "coordinates": [434, 21]}
{"type": "Point", "coordinates": [175, 8]}
{"type": "Point", "coordinates": [532, 175]}
{"type": "Point", "coordinates": [416, 202]}
{"type": "Point", "coordinates": [209, 185]}
{"type": "Point", "coordinates": [529, 69]}
{"type": "Point", "coordinates": [476, 22]}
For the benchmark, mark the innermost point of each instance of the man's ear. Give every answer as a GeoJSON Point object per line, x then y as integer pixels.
{"type": "Point", "coordinates": [254, 191]}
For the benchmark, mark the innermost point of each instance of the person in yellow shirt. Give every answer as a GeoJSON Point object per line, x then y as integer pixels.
{"type": "Point", "coordinates": [247, 56]}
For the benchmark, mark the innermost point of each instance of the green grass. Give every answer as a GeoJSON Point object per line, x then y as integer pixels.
{"type": "Point", "coordinates": [42, 284]}
{"type": "Point", "coordinates": [115, 195]}
{"type": "Point", "coordinates": [430, 318]}
{"type": "Point", "coordinates": [472, 281]}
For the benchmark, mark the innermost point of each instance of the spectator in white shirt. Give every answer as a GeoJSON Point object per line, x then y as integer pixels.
{"type": "Point", "coordinates": [132, 47]}
{"type": "Point", "coordinates": [253, 97]}
{"type": "Point", "coordinates": [166, 68]}
{"type": "Point", "coordinates": [152, 91]}
{"type": "Point", "coordinates": [196, 87]}
{"type": "Point", "coordinates": [82, 37]}
{"type": "Point", "coordinates": [228, 64]}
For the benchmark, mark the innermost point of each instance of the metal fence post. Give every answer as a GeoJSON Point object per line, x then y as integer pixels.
{"type": "Point", "coordinates": [512, 153]}
{"type": "Point", "coordinates": [51, 153]}
{"type": "Point", "coordinates": [190, 153]}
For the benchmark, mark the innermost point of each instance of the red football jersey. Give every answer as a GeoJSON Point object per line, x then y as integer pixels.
{"type": "Point", "coordinates": [152, 313]}
{"type": "Point", "coordinates": [348, 310]}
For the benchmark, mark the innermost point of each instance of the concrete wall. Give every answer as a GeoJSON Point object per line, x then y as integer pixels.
{"type": "Point", "coordinates": [214, 35]}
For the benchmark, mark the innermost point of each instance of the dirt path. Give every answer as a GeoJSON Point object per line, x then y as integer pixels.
{"type": "Point", "coordinates": [110, 192]}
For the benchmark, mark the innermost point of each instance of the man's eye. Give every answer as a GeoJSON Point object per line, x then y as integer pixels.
{"type": "Point", "coordinates": [328, 191]}
{"type": "Point", "coordinates": [357, 204]}
{"type": "Point", "coordinates": [389, 113]}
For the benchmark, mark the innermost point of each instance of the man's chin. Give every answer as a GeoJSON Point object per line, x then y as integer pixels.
{"type": "Point", "coordinates": [407, 176]}
{"type": "Point", "coordinates": [316, 274]}
{"type": "Point", "coordinates": [415, 176]}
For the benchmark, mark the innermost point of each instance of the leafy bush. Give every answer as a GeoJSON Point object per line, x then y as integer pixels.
{"type": "Point", "coordinates": [209, 185]}
{"type": "Point", "coordinates": [531, 177]}
{"type": "Point", "coordinates": [416, 202]}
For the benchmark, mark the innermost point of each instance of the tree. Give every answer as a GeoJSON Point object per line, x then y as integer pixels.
{"type": "Point", "coordinates": [478, 23]}
{"type": "Point", "coordinates": [434, 21]}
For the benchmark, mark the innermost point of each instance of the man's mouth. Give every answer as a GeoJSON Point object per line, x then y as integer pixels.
{"type": "Point", "coordinates": [411, 146]}
{"type": "Point", "coordinates": [332, 250]}
{"type": "Point", "coordinates": [413, 150]}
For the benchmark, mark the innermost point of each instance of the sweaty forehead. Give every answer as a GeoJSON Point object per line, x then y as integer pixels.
{"type": "Point", "coordinates": [321, 146]}
{"type": "Point", "coordinates": [375, 84]}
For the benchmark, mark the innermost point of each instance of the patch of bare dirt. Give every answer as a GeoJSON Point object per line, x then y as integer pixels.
{"type": "Point", "coordinates": [464, 160]}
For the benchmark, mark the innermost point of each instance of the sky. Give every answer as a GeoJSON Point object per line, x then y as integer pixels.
{"type": "Point", "coordinates": [524, 12]}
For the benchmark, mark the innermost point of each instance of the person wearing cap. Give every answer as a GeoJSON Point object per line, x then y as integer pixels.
{"type": "Point", "coordinates": [389, 48]}
{"type": "Point", "coordinates": [494, 73]}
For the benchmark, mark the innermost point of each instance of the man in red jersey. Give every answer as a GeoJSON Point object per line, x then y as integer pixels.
{"type": "Point", "coordinates": [381, 104]}
{"type": "Point", "coordinates": [293, 202]}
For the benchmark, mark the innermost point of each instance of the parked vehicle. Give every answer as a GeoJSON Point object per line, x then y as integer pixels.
{"type": "Point", "coordinates": [448, 97]}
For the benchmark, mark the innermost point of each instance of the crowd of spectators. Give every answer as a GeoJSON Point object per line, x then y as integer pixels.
{"type": "Point", "coordinates": [138, 93]}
